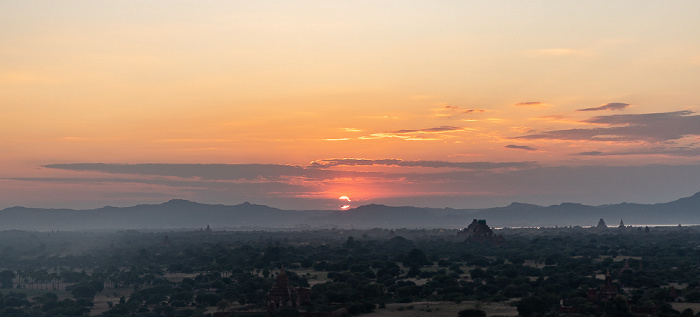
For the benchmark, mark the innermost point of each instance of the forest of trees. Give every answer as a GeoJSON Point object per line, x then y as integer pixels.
{"type": "Point", "coordinates": [540, 272]}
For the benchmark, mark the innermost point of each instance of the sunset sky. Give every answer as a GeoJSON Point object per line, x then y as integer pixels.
{"type": "Point", "coordinates": [294, 104]}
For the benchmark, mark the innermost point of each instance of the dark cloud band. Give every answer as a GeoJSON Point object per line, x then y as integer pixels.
{"type": "Point", "coordinates": [316, 170]}
{"type": "Point", "coordinates": [650, 127]}
{"type": "Point", "coordinates": [666, 151]}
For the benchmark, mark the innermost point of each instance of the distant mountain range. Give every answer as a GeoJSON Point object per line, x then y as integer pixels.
{"type": "Point", "coordinates": [183, 214]}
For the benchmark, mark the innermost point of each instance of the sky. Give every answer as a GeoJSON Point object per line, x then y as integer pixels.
{"type": "Point", "coordinates": [294, 104]}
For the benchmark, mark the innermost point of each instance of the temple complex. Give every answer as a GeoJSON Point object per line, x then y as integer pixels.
{"type": "Point", "coordinates": [478, 230]}
{"type": "Point", "coordinates": [601, 224]}
{"type": "Point", "coordinates": [605, 292]}
{"type": "Point", "coordinates": [283, 294]}
{"type": "Point", "coordinates": [166, 241]}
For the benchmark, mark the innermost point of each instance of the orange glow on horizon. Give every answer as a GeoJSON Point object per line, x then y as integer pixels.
{"type": "Point", "coordinates": [277, 87]}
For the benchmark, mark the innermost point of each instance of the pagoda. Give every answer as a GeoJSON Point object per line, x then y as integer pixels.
{"type": "Point", "coordinates": [284, 295]}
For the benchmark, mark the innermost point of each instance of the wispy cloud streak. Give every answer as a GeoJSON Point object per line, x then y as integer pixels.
{"type": "Point", "coordinates": [461, 110]}
{"type": "Point", "coordinates": [428, 130]}
{"type": "Point", "coordinates": [416, 134]}
{"type": "Point", "coordinates": [533, 104]}
{"type": "Point", "coordinates": [521, 147]}
{"type": "Point", "coordinates": [249, 172]}
{"type": "Point", "coordinates": [420, 163]}
{"type": "Point", "coordinates": [607, 106]}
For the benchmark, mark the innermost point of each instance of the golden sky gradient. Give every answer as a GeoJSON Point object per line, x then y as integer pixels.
{"type": "Point", "coordinates": [413, 92]}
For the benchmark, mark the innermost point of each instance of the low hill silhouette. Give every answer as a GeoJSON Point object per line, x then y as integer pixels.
{"type": "Point", "coordinates": [184, 214]}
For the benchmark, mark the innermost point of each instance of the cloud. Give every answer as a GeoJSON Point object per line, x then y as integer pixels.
{"type": "Point", "coordinates": [352, 162]}
{"type": "Point", "coordinates": [418, 163]}
{"type": "Point", "coordinates": [521, 147]}
{"type": "Point", "coordinates": [175, 183]}
{"type": "Point", "coordinates": [465, 154]}
{"type": "Point", "coordinates": [650, 127]}
{"type": "Point", "coordinates": [645, 119]}
{"type": "Point", "coordinates": [592, 153]}
{"type": "Point", "coordinates": [276, 185]}
{"type": "Point", "coordinates": [554, 117]}
{"type": "Point", "coordinates": [449, 111]}
{"type": "Point", "coordinates": [467, 188]}
{"type": "Point", "coordinates": [415, 134]}
{"type": "Point", "coordinates": [533, 104]}
{"type": "Point", "coordinates": [548, 185]}
{"type": "Point", "coordinates": [266, 173]}
{"type": "Point", "coordinates": [246, 172]}
{"type": "Point", "coordinates": [558, 119]}
{"type": "Point", "coordinates": [428, 130]}
{"type": "Point", "coordinates": [665, 151]}
{"type": "Point", "coordinates": [131, 191]}
{"type": "Point", "coordinates": [607, 106]}
{"type": "Point", "coordinates": [461, 110]}
{"type": "Point", "coordinates": [522, 129]}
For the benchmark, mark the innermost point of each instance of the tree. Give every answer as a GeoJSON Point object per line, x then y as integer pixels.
{"type": "Point", "coordinates": [413, 271]}
{"type": "Point", "coordinates": [83, 291]}
{"type": "Point", "coordinates": [350, 242]}
{"type": "Point", "coordinates": [472, 312]}
{"type": "Point", "coordinates": [618, 307]}
{"type": "Point", "coordinates": [223, 305]}
{"type": "Point", "coordinates": [532, 306]}
{"type": "Point", "coordinates": [477, 273]}
{"type": "Point", "coordinates": [688, 312]}
{"type": "Point", "coordinates": [287, 312]}
{"type": "Point", "coordinates": [693, 296]}
{"type": "Point", "coordinates": [15, 299]}
{"type": "Point", "coordinates": [6, 277]}
{"type": "Point", "coordinates": [207, 299]}
{"type": "Point", "coordinates": [156, 299]}
{"type": "Point", "coordinates": [46, 298]}
{"type": "Point", "coordinates": [415, 257]}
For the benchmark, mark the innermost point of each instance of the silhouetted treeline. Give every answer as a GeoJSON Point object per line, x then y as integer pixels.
{"type": "Point", "coordinates": [541, 271]}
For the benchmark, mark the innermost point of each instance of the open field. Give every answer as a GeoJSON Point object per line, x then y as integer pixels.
{"type": "Point", "coordinates": [101, 300]}
{"type": "Point", "coordinates": [682, 306]}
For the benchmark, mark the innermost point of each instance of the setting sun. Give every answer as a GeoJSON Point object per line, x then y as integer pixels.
{"type": "Point", "coordinates": [345, 200]}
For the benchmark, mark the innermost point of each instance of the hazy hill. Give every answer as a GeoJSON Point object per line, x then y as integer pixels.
{"type": "Point", "coordinates": [183, 214]}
